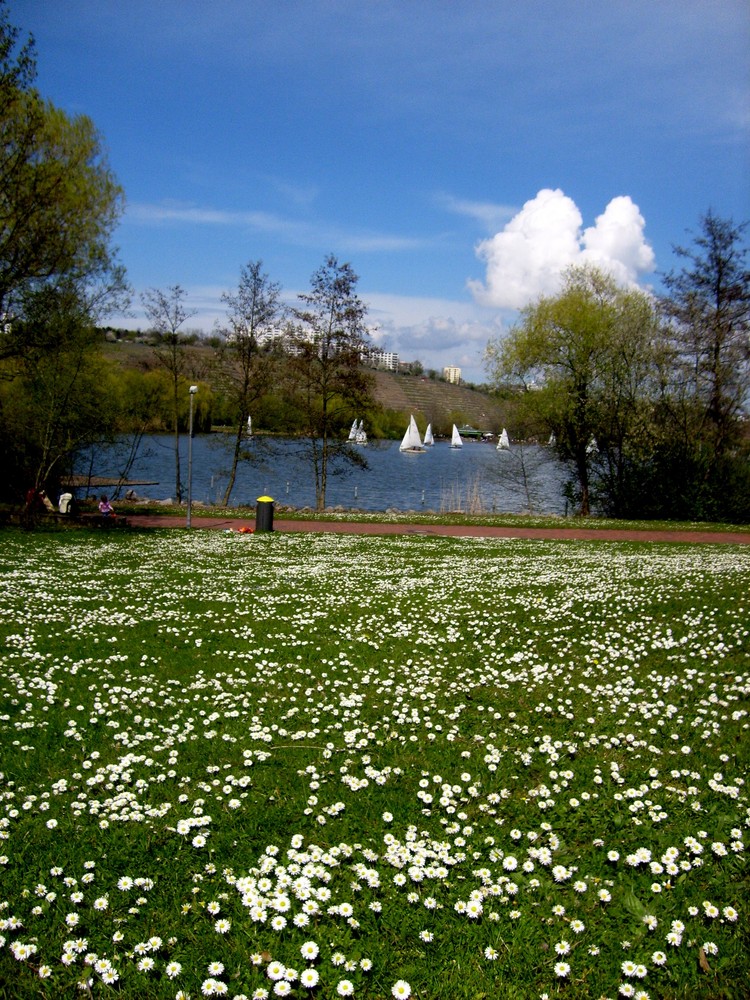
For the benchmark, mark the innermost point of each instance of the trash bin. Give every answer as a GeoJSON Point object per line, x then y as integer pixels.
{"type": "Point", "coordinates": [264, 514]}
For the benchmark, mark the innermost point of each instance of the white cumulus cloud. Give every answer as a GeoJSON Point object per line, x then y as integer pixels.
{"type": "Point", "coordinates": [528, 256]}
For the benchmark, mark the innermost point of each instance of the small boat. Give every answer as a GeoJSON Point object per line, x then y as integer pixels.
{"type": "Point", "coordinates": [360, 435]}
{"type": "Point", "coordinates": [353, 431]}
{"type": "Point", "coordinates": [429, 439]}
{"type": "Point", "coordinates": [503, 442]}
{"type": "Point", "coordinates": [412, 442]}
{"type": "Point", "coordinates": [456, 441]}
{"type": "Point", "coordinates": [552, 440]}
{"type": "Point", "coordinates": [592, 448]}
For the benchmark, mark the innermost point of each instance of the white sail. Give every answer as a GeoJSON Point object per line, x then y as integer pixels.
{"type": "Point", "coordinates": [411, 442]}
{"type": "Point", "coordinates": [456, 441]}
{"type": "Point", "coordinates": [353, 431]}
{"type": "Point", "coordinates": [592, 448]}
{"type": "Point", "coordinates": [360, 435]}
{"type": "Point", "coordinates": [429, 439]}
{"type": "Point", "coordinates": [552, 440]}
{"type": "Point", "coordinates": [503, 442]}
{"type": "Point", "coordinates": [249, 426]}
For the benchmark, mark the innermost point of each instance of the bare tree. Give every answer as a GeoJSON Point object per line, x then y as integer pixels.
{"type": "Point", "coordinates": [708, 306]}
{"type": "Point", "coordinates": [166, 312]}
{"type": "Point", "coordinates": [253, 313]}
{"type": "Point", "coordinates": [325, 345]}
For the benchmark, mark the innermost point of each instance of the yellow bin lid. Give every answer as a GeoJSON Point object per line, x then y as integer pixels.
{"type": "Point", "coordinates": [265, 499]}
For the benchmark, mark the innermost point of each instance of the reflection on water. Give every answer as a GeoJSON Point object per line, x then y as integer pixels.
{"type": "Point", "coordinates": [476, 478]}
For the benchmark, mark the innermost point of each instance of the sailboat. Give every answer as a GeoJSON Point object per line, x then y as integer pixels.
{"type": "Point", "coordinates": [429, 439]}
{"type": "Point", "coordinates": [360, 435]}
{"type": "Point", "coordinates": [456, 441]}
{"type": "Point", "coordinates": [552, 440]}
{"type": "Point", "coordinates": [412, 442]}
{"type": "Point", "coordinates": [249, 426]}
{"type": "Point", "coordinates": [592, 448]}
{"type": "Point", "coordinates": [353, 431]}
{"type": "Point", "coordinates": [503, 442]}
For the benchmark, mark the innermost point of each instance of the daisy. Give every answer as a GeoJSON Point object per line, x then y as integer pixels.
{"type": "Point", "coordinates": [401, 989]}
{"type": "Point", "coordinates": [309, 978]}
{"type": "Point", "coordinates": [345, 988]}
{"type": "Point", "coordinates": [562, 969]}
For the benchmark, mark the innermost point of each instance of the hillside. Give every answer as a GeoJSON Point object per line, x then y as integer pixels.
{"type": "Point", "coordinates": [437, 402]}
{"type": "Point", "coordinates": [430, 400]}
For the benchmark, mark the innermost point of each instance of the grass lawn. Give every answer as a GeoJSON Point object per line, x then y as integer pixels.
{"type": "Point", "coordinates": [329, 765]}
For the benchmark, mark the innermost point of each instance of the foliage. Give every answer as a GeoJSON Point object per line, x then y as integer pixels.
{"type": "Point", "coordinates": [59, 201]}
{"type": "Point", "coordinates": [325, 345]}
{"type": "Point", "coordinates": [650, 407]}
{"type": "Point", "coordinates": [592, 347]}
{"type": "Point", "coordinates": [55, 396]}
{"type": "Point", "coordinates": [59, 204]}
{"type": "Point", "coordinates": [492, 768]}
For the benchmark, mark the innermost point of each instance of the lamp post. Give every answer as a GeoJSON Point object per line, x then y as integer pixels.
{"type": "Point", "coordinates": [193, 390]}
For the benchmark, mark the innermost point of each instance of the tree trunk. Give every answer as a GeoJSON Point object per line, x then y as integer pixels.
{"type": "Point", "coordinates": [235, 460]}
{"type": "Point", "coordinates": [582, 468]}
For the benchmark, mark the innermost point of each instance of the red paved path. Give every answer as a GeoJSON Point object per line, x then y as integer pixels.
{"type": "Point", "coordinates": [474, 530]}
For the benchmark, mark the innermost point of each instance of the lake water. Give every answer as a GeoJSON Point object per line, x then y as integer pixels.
{"type": "Point", "coordinates": [476, 478]}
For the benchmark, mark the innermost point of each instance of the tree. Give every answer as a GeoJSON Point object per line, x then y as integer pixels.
{"type": "Point", "coordinates": [54, 400]}
{"type": "Point", "coordinates": [253, 313]}
{"type": "Point", "coordinates": [59, 204]}
{"type": "Point", "coordinates": [326, 343]}
{"type": "Point", "coordinates": [708, 310]}
{"type": "Point", "coordinates": [584, 356]}
{"type": "Point", "coordinates": [59, 200]}
{"type": "Point", "coordinates": [167, 312]}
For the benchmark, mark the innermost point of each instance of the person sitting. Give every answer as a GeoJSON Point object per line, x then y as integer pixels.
{"type": "Point", "coordinates": [105, 507]}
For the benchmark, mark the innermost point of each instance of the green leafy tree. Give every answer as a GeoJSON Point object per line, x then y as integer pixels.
{"type": "Point", "coordinates": [55, 398]}
{"type": "Point", "coordinates": [325, 344]}
{"type": "Point", "coordinates": [59, 204]}
{"type": "Point", "coordinates": [585, 359]}
{"type": "Point", "coordinates": [246, 362]}
{"type": "Point", "coordinates": [167, 312]}
{"type": "Point", "coordinates": [59, 200]}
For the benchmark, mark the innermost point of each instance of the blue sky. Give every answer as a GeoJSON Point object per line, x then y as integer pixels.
{"type": "Point", "coordinates": [458, 153]}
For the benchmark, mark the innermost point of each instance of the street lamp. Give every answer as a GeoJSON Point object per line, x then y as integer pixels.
{"type": "Point", "coordinates": [193, 390]}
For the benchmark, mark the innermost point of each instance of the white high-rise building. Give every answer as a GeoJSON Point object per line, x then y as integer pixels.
{"type": "Point", "coordinates": [452, 374]}
{"type": "Point", "coordinates": [382, 359]}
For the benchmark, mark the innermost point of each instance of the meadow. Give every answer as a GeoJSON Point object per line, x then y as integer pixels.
{"type": "Point", "coordinates": [325, 765]}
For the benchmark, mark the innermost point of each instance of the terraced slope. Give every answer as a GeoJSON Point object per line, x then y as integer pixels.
{"type": "Point", "coordinates": [437, 402]}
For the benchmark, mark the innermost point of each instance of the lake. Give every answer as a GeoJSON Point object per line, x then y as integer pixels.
{"type": "Point", "coordinates": [476, 478]}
